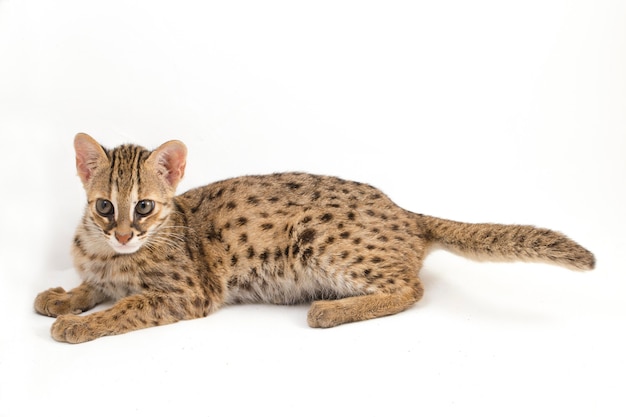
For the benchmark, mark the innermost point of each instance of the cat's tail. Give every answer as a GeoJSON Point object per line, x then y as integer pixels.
{"type": "Point", "coordinates": [499, 242]}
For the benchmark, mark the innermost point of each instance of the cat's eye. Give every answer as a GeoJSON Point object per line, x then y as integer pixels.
{"type": "Point", "coordinates": [144, 207]}
{"type": "Point", "coordinates": [104, 207]}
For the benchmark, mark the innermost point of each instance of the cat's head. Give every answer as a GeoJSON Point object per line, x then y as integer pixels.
{"type": "Point", "coordinates": [129, 189]}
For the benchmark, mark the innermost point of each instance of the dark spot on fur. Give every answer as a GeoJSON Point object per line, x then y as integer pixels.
{"type": "Point", "coordinates": [233, 260]}
{"type": "Point", "coordinates": [306, 219]}
{"type": "Point", "coordinates": [267, 226]}
{"type": "Point", "coordinates": [243, 238]}
{"type": "Point", "coordinates": [326, 217]}
{"type": "Point", "coordinates": [214, 234]}
{"type": "Point", "coordinates": [293, 185]}
{"type": "Point", "coordinates": [250, 252]}
{"type": "Point", "coordinates": [253, 200]}
{"type": "Point", "coordinates": [307, 236]}
{"type": "Point", "coordinates": [219, 193]}
{"type": "Point", "coordinates": [344, 235]}
{"type": "Point", "coordinates": [306, 255]}
{"type": "Point", "coordinates": [231, 205]}
{"type": "Point", "coordinates": [377, 259]}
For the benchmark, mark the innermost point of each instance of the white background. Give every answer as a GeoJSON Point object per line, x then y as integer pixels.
{"type": "Point", "coordinates": [494, 111]}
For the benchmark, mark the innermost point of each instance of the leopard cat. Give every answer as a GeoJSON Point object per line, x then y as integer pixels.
{"type": "Point", "coordinates": [285, 238]}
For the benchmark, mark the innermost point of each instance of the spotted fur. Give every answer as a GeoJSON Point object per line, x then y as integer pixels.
{"type": "Point", "coordinates": [282, 238]}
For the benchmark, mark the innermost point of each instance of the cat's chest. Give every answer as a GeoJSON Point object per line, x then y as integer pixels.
{"type": "Point", "coordinates": [115, 277]}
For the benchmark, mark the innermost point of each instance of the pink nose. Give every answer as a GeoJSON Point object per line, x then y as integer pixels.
{"type": "Point", "coordinates": [123, 238]}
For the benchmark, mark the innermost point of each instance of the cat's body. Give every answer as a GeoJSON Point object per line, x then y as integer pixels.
{"type": "Point", "coordinates": [281, 238]}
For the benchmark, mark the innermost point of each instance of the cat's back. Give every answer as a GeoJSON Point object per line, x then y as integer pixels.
{"type": "Point", "coordinates": [282, 194]}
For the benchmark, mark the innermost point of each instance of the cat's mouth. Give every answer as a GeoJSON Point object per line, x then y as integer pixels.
{"type": "Point", "coordinates": [131, 246]}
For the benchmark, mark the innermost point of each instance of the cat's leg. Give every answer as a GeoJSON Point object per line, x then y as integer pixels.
{"type": "Point", "coordinates": [330, 313]}
{"type": "Point", "coordinates": [56, 301]}
{"type": "Point", "coordinates": [134, 312]}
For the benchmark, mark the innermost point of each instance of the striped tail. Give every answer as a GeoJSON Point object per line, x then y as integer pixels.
{"type": "Point", "coordinates": [507, 242]}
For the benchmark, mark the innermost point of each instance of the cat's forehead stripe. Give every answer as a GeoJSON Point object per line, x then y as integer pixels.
{"type": "Point", "coordinates": [142, 155]}
{"type": "Point", "coordinates": [125, 162]}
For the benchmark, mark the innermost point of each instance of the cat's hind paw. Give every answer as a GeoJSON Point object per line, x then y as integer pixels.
{"type": "Point", "coordinates": [324, 314]}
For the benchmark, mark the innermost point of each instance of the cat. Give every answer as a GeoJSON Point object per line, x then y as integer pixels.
{"type": "Point", "coordinates": [282, 238]}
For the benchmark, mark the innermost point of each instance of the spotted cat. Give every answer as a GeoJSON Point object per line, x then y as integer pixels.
{"type": "Point", "coordinates": [282, 238]}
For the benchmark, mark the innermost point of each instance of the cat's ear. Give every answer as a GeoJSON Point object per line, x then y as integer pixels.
{"type": "Point", "coordinates": [89, 155]}
{"type": "Point", "coordinates": [170, 159]}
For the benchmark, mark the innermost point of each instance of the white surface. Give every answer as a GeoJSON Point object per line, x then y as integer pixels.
{"type": "Point", "coordinates": [477, 111]}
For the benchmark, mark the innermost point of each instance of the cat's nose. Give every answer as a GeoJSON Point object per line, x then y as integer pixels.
{"type": "Point", "coordinates": [123, 238]}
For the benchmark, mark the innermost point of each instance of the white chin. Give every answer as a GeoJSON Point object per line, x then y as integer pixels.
{"type": "Point", "coordinates": [126, 249]}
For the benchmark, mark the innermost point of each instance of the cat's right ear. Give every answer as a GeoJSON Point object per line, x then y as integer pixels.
{"type": "Point", "coordinates": [170, 160]}
{"type": "Point", "coordinates": [89, 155]}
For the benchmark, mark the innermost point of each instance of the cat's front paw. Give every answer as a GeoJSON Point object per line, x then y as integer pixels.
{"type": "Point", "coordinates": [72, 329]}
{"type": "Point", "coordinates": [55, 302]}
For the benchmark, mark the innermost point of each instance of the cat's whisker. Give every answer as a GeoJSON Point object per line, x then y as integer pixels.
{"type": "Point", "coordinates": [161, 239]}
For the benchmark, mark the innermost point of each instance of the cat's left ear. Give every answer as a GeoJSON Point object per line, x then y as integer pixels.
{"type": "Point", "coordinates": [170, 159]}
